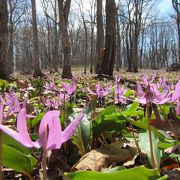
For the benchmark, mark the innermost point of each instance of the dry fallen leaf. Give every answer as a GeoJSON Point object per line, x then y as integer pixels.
{"type": "Point", "coordinates": [167, 125]}
{"type": "Point", "coordinates": [103, 157]}
{"type": "Point", "coordinates": [22, 83]}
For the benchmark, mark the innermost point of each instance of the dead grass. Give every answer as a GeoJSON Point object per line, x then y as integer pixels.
{"type": "Point", "coordinates": [79, 73]}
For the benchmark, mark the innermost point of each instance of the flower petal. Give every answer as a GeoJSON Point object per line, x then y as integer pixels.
{"type": "Point", "coordinates": [23, 131]}
{"type": "Point", "coordinates": [51, 119]}
{"type": "Point", "coordinates": [54, 138]}
{"type": "Point", "coordinates": [1, 112]}
{"type": "Point", "coordinates": [70, 90]}
{"type": "Point", "coordinates": [176, 94]}
{"type": "Point", "coordinates": [15, 135]}
{"type": "Point", "coordinates": [178, 108]}
{"type": "Point", "coordinates": [71, 128]}
{"type": "Point", "coordinates": [140, 92]}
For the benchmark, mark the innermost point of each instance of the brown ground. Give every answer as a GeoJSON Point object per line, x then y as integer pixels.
{"type": "Point", "coordinates": [78, 72]}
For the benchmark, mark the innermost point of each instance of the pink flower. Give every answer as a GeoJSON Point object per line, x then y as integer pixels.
{"type": "Point", "coordinates": [51, 123]}
{"type": "Point", "coordinates": [100, 91]}
{"type": "Point", "coordinates": [63, 98]}
{"type": "Point", "coordinates": [13, 102]}
{"type": "Point", "coordinates": [51, 86]}
{"type": "Point", "coordinates": [119, 94]}
{"type": "Point", "coordinates": [176, 97]}
{"type": "Point", "coordinates": [68, 88]}
{"type": "Point", "coordinates": [22, 135]}
{"type": "Point", "coordinates": [154, 95]}
{"type": "Point", "coordinates": [51, 102]}
{"type": "Point", "coordinates": [146, 81]}
{"type": "Point", "coordinates": [1, 112]}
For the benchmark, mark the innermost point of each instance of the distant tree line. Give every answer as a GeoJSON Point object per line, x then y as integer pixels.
{"type": "Point", "coordinates": [108, 35]}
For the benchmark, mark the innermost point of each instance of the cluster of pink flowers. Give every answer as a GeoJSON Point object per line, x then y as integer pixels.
{"type": "Point", "coordinates": [64, 94]}
{"type": "Point", "coordinates": [147, 91]}
{"type": "Point", "coordinates": [158, 93]}
{"type": "Point", "coordinates": [50, 123]}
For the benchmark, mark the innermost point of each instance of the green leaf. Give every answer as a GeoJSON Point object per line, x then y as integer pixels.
{"type": "Point", "coordinates": [9, 141]}
{"type": "Point", "coordinates": [129, 93]}
{"type": "Point", "coordinates": [91, 106]}
{"type": "Point", "coordinates": [17, 161]}
{"type": "Point", "coordinates": [144, 144]}
{"type": "Point", "coordinates": [165, 145]}
{"type": "Point", "coordinates": [82, 135]}
{"type": "Point", "coordinates": [115, 169]}
{"type": "Point", "coordinates": [69, 108]}
{"type": "Point", "coordinates": [107, 121]}
{"type": "Point", "coordinates": [66, 112]}
{"type": "Point", "coordinates": [140, 173]}
{"type": "Point", "coordinates": [143, 125]}
{"type": "Point", "coordinates": [37, 119]}
{"type": "Point", "coordinates": [3, 85]}
{"type": "Point", "coordinates": [132, 109]}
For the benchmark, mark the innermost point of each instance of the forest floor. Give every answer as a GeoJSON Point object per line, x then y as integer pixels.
{"type": "Point", "coordinates": [79, 72]}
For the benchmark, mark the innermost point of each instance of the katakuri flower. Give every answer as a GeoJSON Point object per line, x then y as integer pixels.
{"type": "Point", "coordinates": [100, 91]}
{"type": "Point", "coordinates": [152, 94]}
{"type": "Point", "coordinates": [51, 123]}
{"type": "Point", "coordinates": [176, 97]}
{"type": "Point", "coordinates": [68, 88]}
{"type": "Point", "coordinates": [1, 112]}
{"type": "Point", "coordinates": [119, 94]}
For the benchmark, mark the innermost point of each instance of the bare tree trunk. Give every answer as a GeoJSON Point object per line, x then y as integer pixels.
{"type": "Point", "coordinates": [86, 35]}
{"type": "Point", "coordinates": [55, 40]}
{"type": "Point", "coordinates": [141, 50]}
{"type": "Point", "coordinates": [92, 17]}
{"type": "Point", "coordinates": [92, 46]}
{"type": "Point", "coordinates": [64, 7]}
{"type": "Point", "coordinates": [135, 53]}
{"type": "Point", "coordinates": [118, 43]}
{"type": "Point", "coordinates": [176, 6]}
{"type": "Point", "coordinates": [129, 48]}
{"type": "Point", "coordinates": [86, 47]}
{"type": "Point", "coordinates": [110, 46]}
{"type": "Point", "coordinates": [48, 58]}
{"type": "Point", "coordinates": [37, 71]}
{"type": "Point", "coordinates": [11, 40]}
{"type": "Point", "coordinates": [136, 32]}
{"type": "Point", "coordinates": [4, 74]}
{"type": "Point", "coordinates": [100, 36]}
{"type": "Point", "coordinates": [178, 27]}
{"type": "Point", "coordinates": [11, 50]}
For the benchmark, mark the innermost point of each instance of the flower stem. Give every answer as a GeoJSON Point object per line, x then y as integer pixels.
{"type": "Point", "coordinates": [44, 164]}
{"type": "Point", "coordinates": [151, 146]}
{"type": "Point", "coordinates": [150, 134]}
{"type": "Point", "coordinates": [0, 154]}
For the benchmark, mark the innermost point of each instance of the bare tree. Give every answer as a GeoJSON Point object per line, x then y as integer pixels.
{"type": "Point", "coordinates": [53, 57]}
{"type": "Point", "coordinates": [80, 4]}
{"type": "Point", "coordinates": [92, 22]}
{"type": "Point", "coordinates": [4, 74]}
{"type": "Point", "coordinates": [37, 71]}
{"type": "Point", "coordinates": [118, 39]}
{"type": "Point", "coordinates": [17, 9]}
{"type": "Point", "coordinates": [110, 44]}
{"type": "Point", "coordinates": [64, 7]}
{"type": "Point", "coordinates": [176, 6]}
{"type": "Point", "coordinates": [100, 36]}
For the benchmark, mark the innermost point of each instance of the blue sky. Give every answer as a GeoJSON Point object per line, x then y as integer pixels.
{"type": "Point", "coordinates": [164, 7]}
